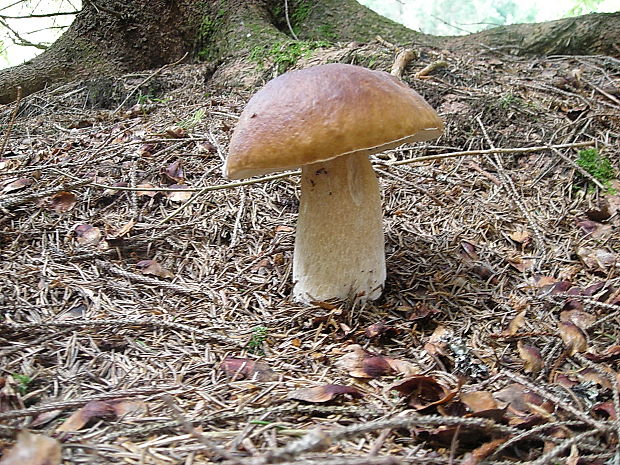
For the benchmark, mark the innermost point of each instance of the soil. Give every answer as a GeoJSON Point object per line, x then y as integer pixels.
{"type": "Point", "coordinates": [170, 306]}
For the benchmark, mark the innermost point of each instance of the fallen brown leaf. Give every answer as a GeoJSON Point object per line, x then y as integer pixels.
{"type": "Point", "coordinates": [597, 259]}
{"type": "Point", "coordinates": [573, 337]}
{"type": "Point", "coordinates": [32, 449]}
{"type": "Point", "coordinates": [174, 172]}
{"type": "Point", "coordinates": [117, 233]}
{"type": "Point", "coordinates": [480, 453]}
{"type": "Point", "coordinates": [521, 236]}
{"type": "Point", "coordinates": [515, 324]}
{"type": "Point", "coordinates": [594, 228]}
{"type": "Point", "coordinates": [325, 393]}
{"type": "Point", "coordinates": [424, 391]}
{"type": "Point", "coordinates": [16, 185]}
{"type": "Point", "coordinates": [578, 317]}
{"type": "Point", "coordinates": [244, 368]}
{"type": "Point", "coordinates": [180, 195]}
{"type": "Point", "coordinates": [360, 363]}
{"type": "Point", "coordinates": [531, 356]}
{"type": "Point", "coordinates": [144, 190]}
{"type": "Point", "coordinates": [478, 401]}
{"type": "Point", "coordinates": [62, 202]}
{"type": "Point", "coordinates": [152, 267]}
{"type": "Point", "coordinates": [86, 234]}
{"type": "Point", "coordinates": [437, 343]}
{"type": "Point", "coordinates": [96, 410]}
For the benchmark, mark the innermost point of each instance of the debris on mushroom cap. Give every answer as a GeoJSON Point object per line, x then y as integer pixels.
{"type": "Point", "coordinates": [323, 112]}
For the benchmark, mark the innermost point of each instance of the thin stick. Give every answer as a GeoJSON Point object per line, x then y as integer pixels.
{"type": "Point", "coordinates": [62, 405]}
{"type": "Point", "coordinates": [288, 21]}
{"type": "Point", "coordinates": [424, 72]}
{"type": "Point", "coordinates": [401, 61]}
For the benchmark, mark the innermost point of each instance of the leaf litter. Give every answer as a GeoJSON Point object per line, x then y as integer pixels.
{"type": "Point", "coordinates": [496, 339]}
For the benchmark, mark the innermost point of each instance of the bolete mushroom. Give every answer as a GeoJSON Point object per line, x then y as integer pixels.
{"type": "Point", "coordinates": [328, 119]}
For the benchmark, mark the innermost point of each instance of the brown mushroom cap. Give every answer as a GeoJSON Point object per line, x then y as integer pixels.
{"type": "Point", "coordinates": [320, 113]}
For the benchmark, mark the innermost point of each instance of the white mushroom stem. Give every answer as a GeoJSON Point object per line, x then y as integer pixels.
{"type": "Point", "coordinates": [339, 244]}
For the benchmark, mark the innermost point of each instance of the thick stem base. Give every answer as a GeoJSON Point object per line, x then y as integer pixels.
{"type": "Point", "coordinates": [339, 244]}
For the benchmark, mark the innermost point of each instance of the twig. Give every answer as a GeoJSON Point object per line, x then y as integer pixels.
{"type": "Point", "coordinates": [189, 429]}
{"type": "Point", "coordinates": [583, 172]}
{"type": "Point", "coordinates": [288, 21]}
{"type": "Point", "coordinates": [401, 61]}
{"type": "Point", "coordinates": [560, 447]}
{"type": "Point", "coordinates": [319, 439]}
{"type": "Point", "coordinates": [557, 401]}
{"type": "Point", "coordinates": [62, 405]}
{"type": "Point", "coordinates": [386, 44]}
{"type": "Point", "coordinates": [9, 126]}
{"type": "Point", "coordinates": [424, 72]}
{"type": "Point", "coordinates": [207, 333]}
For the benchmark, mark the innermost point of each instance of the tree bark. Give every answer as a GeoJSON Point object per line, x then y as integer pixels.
{"type": "Point", "coordinates": [118, 36]}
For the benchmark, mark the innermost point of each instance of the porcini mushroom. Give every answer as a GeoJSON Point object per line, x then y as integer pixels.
{"type": "Point", "coordinates": [328, 119]}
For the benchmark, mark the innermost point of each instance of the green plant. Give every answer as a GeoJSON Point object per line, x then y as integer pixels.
{"type": "Point", "coordinates": [507, 100]}
{"type": "Point", "coordinates": [600, 168]}
{"type": "Point", "coordinates": [23, 381]}
{"type": "Point", "coordinates": [327, 32]}
{"type": "Point", "coordinates": [299, 14]}
{"type": "Point", "coordinates": [193, 120]}
{"type": "Point", "coordinates": [285, 53]}
{"type": "Point", "coordinates": [259, 335]}
{"type": "Point", "coordinates": [149, 98]}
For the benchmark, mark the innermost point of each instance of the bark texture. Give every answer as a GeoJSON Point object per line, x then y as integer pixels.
{"type": "Point", "coordinates": [117, 36]}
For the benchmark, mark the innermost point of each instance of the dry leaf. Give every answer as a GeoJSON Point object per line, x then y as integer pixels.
{"type": "Point", "coordinates": [437, 343]}
{"type": "Point", "coordinates": [244, 368]}
{"type": "Point", "coordinates": [594, 229]}
{"type": "Point", "coordinates": [422, 310]}
{"type": "Point", "coordinates": [380, 329]}
{"type": "Point", "coordinates": [606, 409]}
{"type": "Point", "coordinates": [480, 453]}
{"type": "Point", "coordinates": [362, 364]}
{"type": "Point", "coordinates": [531, 356]}
{"type": "Point", "coordinates": [154, 268]}
{"type": "Point", "coordinates": [174, 172]}
{"type": "Point", "coordinates": [610, 354]}
{"type": "Point", "coordinates": [516, 324]}
{"type": "Point", "coordinates": [573, 337]}
{"type": "Point", "coordinates": [87, 235]}
{"type": "Point", "coordinates": [469, 250]}
{"type": "Point", "coordinates": [478, 401]}
{"type": "Point", "coordinates": [33, 449]}
{"type": "Point", "coordinates": [62, 202]}
{"type": "Point", "coordinates": [578, 317]}
{"type": "Point", "coordinates": [597, 259]}
{"type": "Point", "coordinates": [519, 263]}
{"type": "Point", "coordinates": [16, 185]}
{"type": "Point", "coordinates": [324, 393]}
{"type": "Point", "coordinates": [176, 132]}
{"type": "Point", "coordinates": [180, 195]}
{"type": "Point", "coordinates": [542, 282]}
{"type": "Point", "coordinates": [95, 410]}
{"type": "Point", "coordinates": [145, 190]}
{"type": "Point", "coordinates": [424, 391]}
{"type": "Point", "coordinates": [112, 234]}
{"type": "Point", "coordinates": [521, 236]}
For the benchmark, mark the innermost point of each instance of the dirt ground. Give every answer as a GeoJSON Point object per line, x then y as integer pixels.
{"type": "Point", "coordinates": [146, 323]}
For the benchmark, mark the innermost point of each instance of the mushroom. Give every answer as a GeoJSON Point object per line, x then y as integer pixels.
{"type": "Point", "coordinates": [328, 119]}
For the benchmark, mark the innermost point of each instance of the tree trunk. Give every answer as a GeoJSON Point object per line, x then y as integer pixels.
{"type": "Point", "coordinates": [117, 36]}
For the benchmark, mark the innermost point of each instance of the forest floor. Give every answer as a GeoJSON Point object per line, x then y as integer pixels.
{"type": "Point", "coordinates": [146, 323]}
